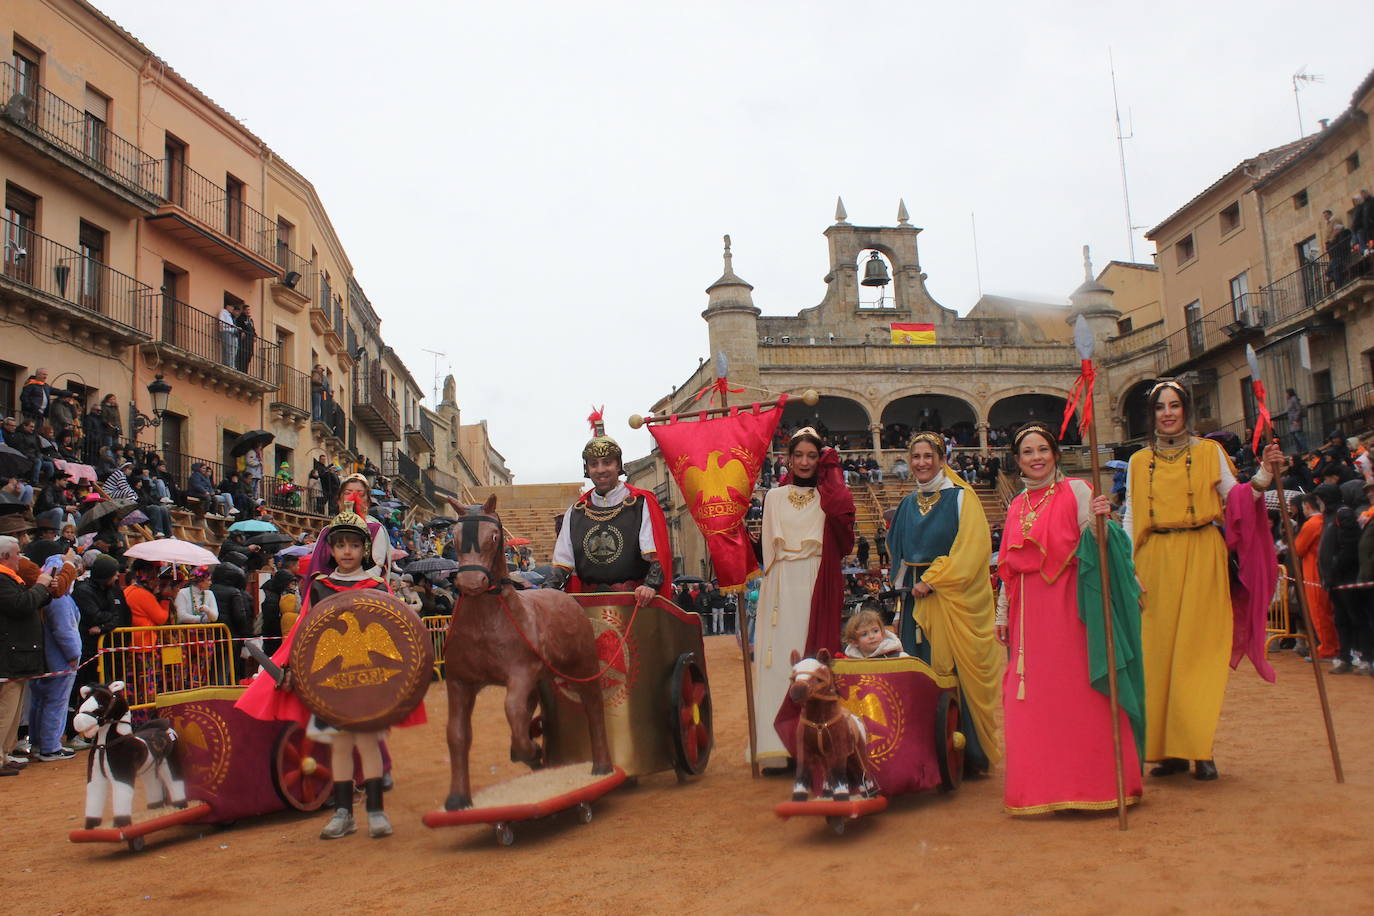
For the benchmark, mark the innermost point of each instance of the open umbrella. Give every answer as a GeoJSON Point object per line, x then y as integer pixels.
{"type": "Point", "coordinates": [252, 526]}
{"type": "Point", "coordinates": [1117, 465]}
{"type": "Point", "coordinates": [171, 550]}
{"type": "Point", "coordinates": [1271, 498]}
{"type": "Point", "coordinates": [249, 441]}
{"type": "Point", "coordinates": [376, 492]}
{"type": "Point", "coordinates": [517, 542]}
{"type": "Point", "coordinates": [853, 571]}
{"type": "Point", "coordinates": [14, 463]}
{"type": "Point", "coordinates": [300, 550]}
{"type": "Point", "coordinates": [111, 509]}
{"type": "Point", "coordinates": [440, 521]}
{"type": "Point", "coordinates": [271, 540]}
{"type": "Point", "coordinates": [431, 565]}
{"type": "Point", "coordinates": [393, 504]}
{"type": "Point", "coordinates": [688, 580]}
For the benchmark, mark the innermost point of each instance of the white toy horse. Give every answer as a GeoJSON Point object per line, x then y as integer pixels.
{"type": "Point", "coordinates": [120, 754]}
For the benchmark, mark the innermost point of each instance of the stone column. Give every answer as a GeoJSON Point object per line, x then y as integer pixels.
{"type": "Point", "coordinates": [877, 430]}
{"type": "Point", "coordinates": [983, 436]}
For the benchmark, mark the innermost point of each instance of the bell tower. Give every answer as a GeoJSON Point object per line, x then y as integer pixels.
{"type": "Point", "coordinates": [908, 300]}
{"type": "Point", "coordinates": [733, 322]}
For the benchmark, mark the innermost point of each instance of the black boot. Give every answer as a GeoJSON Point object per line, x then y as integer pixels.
{"type": "Point", "coordinates": [377, 823]}
{"type": "Point", "coordinates": [1205, 770]}
{"type": "Point", "coordinates": [342, 823]}
{"type": "Point", "coordinates": [1169, 766]}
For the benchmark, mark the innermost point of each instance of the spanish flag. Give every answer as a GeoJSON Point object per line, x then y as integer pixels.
{"type": "Point", "coordinates": [913, 333]}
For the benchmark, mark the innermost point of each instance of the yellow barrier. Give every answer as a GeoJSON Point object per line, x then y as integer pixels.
{"type": "Point", "coordinates": [438, 633]}
{"type": "Point", "coordinates": [150, 660]}
{"type": "Point", "coordinates": [1279, 625]}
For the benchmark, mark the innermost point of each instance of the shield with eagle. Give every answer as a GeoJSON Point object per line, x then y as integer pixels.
{"type": "Point", "coordinates": [715, 462]}
{"type": "Point", "coordinates": [361, 660]}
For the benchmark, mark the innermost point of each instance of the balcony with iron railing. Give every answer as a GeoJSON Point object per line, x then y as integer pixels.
{"type": "Point", "coordinates": [292, 399]}
{"type": "Point", "coordinates": [1237, 321]}
{"type": "Point", "coordinates": [216, 222]}
{"type": "Point", "coordinates": [420, 437]}
{"type": "Point", "coordinates": [199, 342]}
{"type": "Point", "coordinates": [62, 286]}
{"type": "Point", "coordinates": [36, 123]}
{"type": "Point", "coordinates": [1320, 285]}
{"type": "Point", "coordinates": [373, 406]}
{"type": "Point", "coordinates": [295, 288]}
{"type": "Point", "coordinates": [331, 423]}
{"type": "Point", "coordinates": [401, 468]}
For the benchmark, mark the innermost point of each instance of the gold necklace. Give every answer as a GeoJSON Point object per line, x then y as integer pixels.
{"type": "Point", "coordinates": [800, 496]}
{"type": "Point", "coordinates": [926, 501]}
{"type": "Point", "coordinates": [602, 514]}
{"type": "Point", "coordinates": [1033, 509]}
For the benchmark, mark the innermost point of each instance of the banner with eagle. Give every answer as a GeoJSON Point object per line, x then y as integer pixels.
{"type": "Point", "coordinates": [715, 462]}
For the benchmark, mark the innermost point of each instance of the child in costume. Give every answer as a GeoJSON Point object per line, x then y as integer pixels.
{"type": "Point", "coordinates": [866, 637]}
{"type": "Point", "coordinates": [350, 567]}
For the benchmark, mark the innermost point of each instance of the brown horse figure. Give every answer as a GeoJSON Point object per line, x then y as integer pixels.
{"type": "Point", "coordinates": [832, 747]}
{"type": "Point", "coordinates": [499, 635]}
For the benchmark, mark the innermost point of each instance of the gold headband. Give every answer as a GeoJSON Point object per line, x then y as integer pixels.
{"type": "Point", "coordinates": [1033, 428]}
{"type": "Point", "coordinates": [1166, 383]}
{"type": "Point", "coordinates": [804, 431]}
{"type": "Point", "coordinates": [936, 440]}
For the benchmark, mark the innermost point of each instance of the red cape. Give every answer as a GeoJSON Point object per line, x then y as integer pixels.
{"type": "Point", "coordinates": [662, 546]}
{"type": "Point", "coordinates": [827, 596]}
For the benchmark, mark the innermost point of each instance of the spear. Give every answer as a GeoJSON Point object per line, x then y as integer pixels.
{"type": "Point", "coordinates": [1295, 571]}
{"type": "Point", "coordinates": [1083, 340]}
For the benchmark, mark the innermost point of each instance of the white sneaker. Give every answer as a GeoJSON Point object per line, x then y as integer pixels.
{"type": "Point", "coordinates": [166, 500]}
{"type": "Point", "coordinates": [233, 511]}
{"type": "Point", "coordinates": [22, 746]}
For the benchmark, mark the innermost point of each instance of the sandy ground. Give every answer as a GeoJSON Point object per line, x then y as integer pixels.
{"type": "Point", "coordinates": [1276, 833]}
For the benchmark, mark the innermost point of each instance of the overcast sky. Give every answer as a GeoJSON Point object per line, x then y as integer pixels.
{"type": "Point", "coordinates": [539, 189]}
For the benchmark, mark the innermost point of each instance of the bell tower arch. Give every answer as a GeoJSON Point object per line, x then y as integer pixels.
{"type": "Point", "coordinates": [851, 263]}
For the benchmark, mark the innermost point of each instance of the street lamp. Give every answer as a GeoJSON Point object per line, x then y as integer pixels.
{"type": "Point", "coordinates": [159, 391]}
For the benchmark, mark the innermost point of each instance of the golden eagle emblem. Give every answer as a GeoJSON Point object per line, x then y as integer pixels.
{"type": "Point", "coordinates": [867, 707]}
{"type": "Point", "coordinates": [716, 482]}
{"type": "Point", "coordinates": [354, 645]}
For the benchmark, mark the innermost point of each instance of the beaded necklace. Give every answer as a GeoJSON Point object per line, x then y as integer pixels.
{"type": "Point", "coordinates": [1186, 452]}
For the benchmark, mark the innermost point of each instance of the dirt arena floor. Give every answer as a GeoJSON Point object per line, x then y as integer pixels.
{"type": "Point", "coordinates": [1275, 834]}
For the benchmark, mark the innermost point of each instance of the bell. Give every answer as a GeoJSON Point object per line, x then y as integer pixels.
{"type": "Point", "coordinates": [875, 272]}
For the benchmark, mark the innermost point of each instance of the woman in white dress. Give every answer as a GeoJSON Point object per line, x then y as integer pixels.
{"type": "Point", "coordinates": [808, 528]}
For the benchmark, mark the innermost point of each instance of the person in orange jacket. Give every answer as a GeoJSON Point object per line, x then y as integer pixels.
{"type": "Point", "coordinates": [1318, 599]}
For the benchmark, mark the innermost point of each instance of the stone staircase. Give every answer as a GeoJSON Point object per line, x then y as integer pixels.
{"type": "Point", "coordinates": [529, 511]}
{"type": "Point", "coordinates": [871, 500]}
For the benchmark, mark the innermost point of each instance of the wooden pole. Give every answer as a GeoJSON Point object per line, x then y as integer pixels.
{"type": "Point", "coordinates": [1295, 570]}
{"type": "Point", "coordinates": [1100, 525]}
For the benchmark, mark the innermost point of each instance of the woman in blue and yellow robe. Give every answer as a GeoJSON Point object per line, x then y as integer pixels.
{"type": "Point", "coordinates": [941, 551]}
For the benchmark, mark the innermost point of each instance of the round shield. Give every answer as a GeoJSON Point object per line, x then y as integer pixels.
{"type": "Point", "coordinates": [361, 660]}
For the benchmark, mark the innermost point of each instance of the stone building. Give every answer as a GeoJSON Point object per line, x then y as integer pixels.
{"type": "Point", "coordinates": [1246, 262]}
{"type": "Point", "coordinates": [1006, 361]}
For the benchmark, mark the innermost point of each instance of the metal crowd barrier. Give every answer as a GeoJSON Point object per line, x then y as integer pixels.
{"type": "Point", "coordinates": [438, 633]}
{"type": "Point", "coordinates": [1279, 625]}
{"type": "Point", "coordinates": [153, 660]}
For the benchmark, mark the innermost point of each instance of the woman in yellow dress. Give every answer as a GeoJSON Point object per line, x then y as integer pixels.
{"type": "Point", "coordinates": [1177, 489]}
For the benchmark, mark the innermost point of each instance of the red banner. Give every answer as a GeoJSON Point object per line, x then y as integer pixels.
{"type": "Point", "coordinates": [715, 462]}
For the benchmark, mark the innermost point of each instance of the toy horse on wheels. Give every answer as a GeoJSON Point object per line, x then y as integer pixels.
{"type": "Point", "coordinates": [832, 750]}
{"type": "Point", "coordinates": [120, 754]}
{"type": "Point", "coordinates": [501, 636]}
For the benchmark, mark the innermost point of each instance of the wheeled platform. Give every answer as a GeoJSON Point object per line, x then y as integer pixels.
{"type": "Point", "coordinates": [526, 798]}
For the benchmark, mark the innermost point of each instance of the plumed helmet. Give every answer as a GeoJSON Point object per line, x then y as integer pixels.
{"type": "Point", "coordinates": [600, 445]}
{"type": "Point", "coordinates": [348, 522]}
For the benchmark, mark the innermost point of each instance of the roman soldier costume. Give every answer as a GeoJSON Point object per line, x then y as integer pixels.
{"type": "Point", "coordinates": [612, 542]}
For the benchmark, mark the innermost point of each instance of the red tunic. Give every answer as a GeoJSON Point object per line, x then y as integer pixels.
{"type": "Point", "coordinates": [262, 699]}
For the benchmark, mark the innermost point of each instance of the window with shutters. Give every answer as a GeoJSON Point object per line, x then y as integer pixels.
{"type": "Point", "coordinates": [25, 60]}
{"type": "Point", "coordinates": [95, 133]}
{"type": "Point", "coordinates": [21, 222]}
{"type": "Point", "coordinates": [92, 244]}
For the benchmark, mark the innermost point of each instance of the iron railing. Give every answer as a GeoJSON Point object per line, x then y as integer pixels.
{"type": "Point", "coordinates": [80, 281]}
{"type": "Point", "coordinates": [397, 463]}
{"type": "Point", "coordinates": [78, 134]}
{"type": "Point", "coordinates": [323, 302]}
{"type": "Point", "coordinates": [425, 429]}
{"type": "Point", "coordinates": [290, 262]}
{"type": "Point", "coordinates": [1296, 292]}
{"type": "Point", "coordinates": [293, 389]}
{"type": "Point", "coordinates": [332, 418]}
{"type": "Point", "coordinates": [211, 205]}
{"type": "Point", "coordinates": [204, 335]}
{"type": "Point", "coordinates": [1215, 329]}
{"type": "Point", "coordinates": [370, 392]}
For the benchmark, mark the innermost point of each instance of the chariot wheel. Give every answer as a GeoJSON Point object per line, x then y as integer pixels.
{"type": "Point", "coordinates": [949, 742]}
{"type": "Point", "coordinates": [689, 716]}
{"type": "Point", "coordinates": [299, 776]}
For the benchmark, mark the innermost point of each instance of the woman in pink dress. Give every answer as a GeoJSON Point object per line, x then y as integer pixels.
{"type": "Point", "coordinates": [1057, 726]}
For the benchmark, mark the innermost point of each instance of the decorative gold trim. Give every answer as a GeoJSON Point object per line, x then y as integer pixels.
{"type": "Point", "coordinates": [799, 497]}
{"type": "Point", "coordinates": [926, 501]}
{"type": "Point", "coordinates": [1063, 806]}
{"type": "Point", "coordinates": [892, 665]}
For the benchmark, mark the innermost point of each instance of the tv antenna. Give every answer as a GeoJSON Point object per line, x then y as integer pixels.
{"type": "Point", "coordinates": [437, 354]}
{"type": "Point", "coordinates": [1302, 76]}
{"type": "Point", "coordinates": [1121, 157]}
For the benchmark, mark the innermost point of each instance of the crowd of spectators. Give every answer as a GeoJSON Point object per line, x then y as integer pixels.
{"type": "Point", "coordinates": [1350, 249]}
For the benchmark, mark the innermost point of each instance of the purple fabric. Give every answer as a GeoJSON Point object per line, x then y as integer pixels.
{"type": "Point", "coordinates": [1247, 536]}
